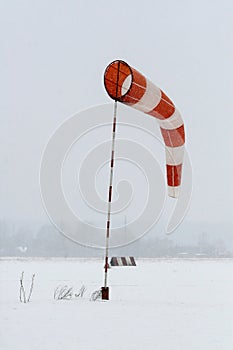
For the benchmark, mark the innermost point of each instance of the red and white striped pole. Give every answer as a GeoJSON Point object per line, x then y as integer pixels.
{"type": "Point", "coordinates": [105, 289]}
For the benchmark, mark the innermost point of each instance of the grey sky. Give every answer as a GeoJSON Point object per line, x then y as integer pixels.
{"type": "Point", "coordinates": [53, 55]}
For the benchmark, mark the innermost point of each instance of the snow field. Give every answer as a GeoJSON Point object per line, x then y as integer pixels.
{"type": "Point", "coordinates": [158, 305]}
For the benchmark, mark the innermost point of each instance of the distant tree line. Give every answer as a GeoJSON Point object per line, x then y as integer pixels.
{"type": "Point", "coordinates": [48, 242]}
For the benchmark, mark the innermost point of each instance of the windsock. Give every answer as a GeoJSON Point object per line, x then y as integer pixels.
{"type": "Point", "coordinates": [125, 84]}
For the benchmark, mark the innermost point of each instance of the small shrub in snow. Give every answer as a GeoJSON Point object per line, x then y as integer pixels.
{"type": "Point", "coordinates": [63, 293]}
{"type": "Point", "coordinates": [96, 295]}
{"type": "Point", "coordinates": [81, 292]}
{"type": "Point", "coordinates": [22, 292]}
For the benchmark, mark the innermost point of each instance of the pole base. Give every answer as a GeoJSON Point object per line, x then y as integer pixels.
{"type": "Point", "coordinates": [105, 293]}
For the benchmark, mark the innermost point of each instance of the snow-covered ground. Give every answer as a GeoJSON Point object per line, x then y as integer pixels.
{"type": "Point", "coordinates": [158, 305]}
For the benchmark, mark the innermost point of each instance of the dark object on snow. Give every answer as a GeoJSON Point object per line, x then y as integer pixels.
{"type": "Point", "coordinates": [105, 293]}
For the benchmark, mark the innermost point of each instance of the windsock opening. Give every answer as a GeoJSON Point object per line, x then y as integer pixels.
{"type": "Point", "coordinates": [118, 79]}
{"type": "Point", "coordinates": [125, 84]}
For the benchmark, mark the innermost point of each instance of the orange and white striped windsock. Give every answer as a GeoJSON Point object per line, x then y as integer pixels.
{"type": "Point", "coordinates": [125, 84]}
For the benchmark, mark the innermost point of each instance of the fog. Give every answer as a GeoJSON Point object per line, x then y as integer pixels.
{"type": "Point", "coordinates": [53, 58]}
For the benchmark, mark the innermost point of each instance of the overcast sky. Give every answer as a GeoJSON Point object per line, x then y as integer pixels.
{"type": "Point", "coordinates": [53, 55]}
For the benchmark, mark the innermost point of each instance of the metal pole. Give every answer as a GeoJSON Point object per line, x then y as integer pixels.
{"type": "Point", "coordinates": [105, 289]}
